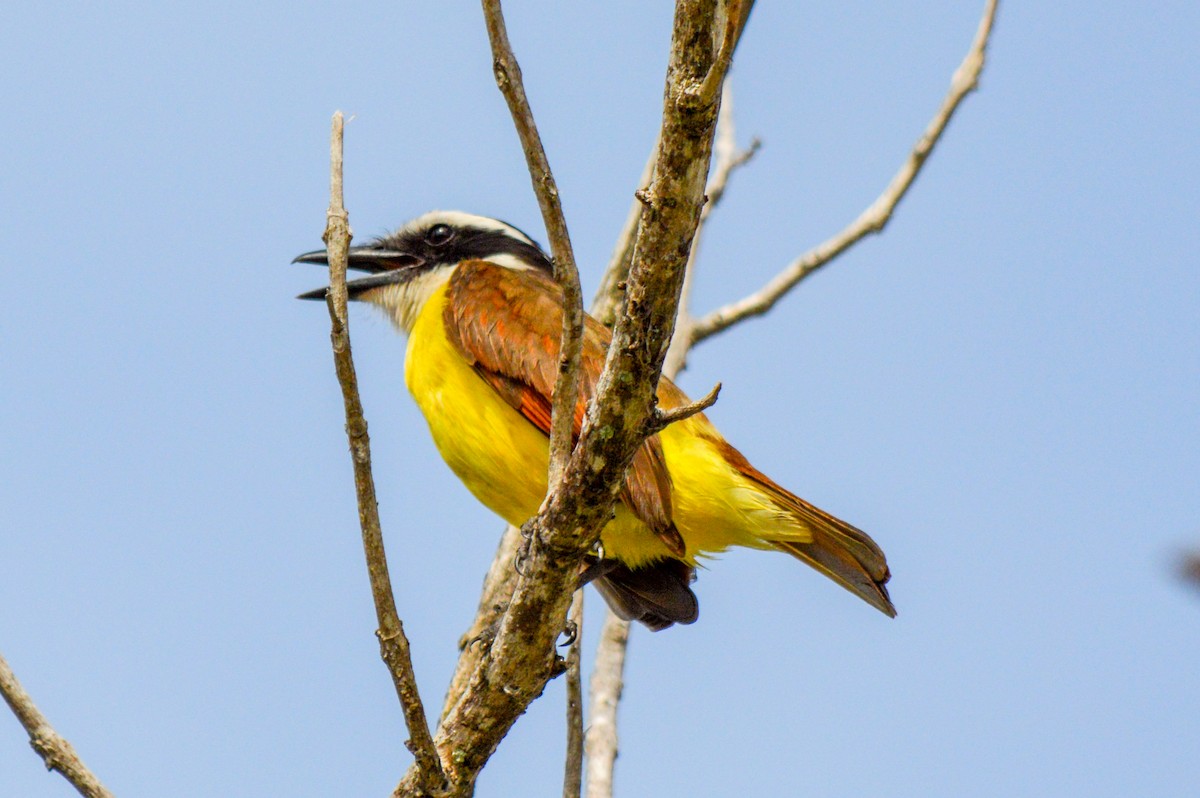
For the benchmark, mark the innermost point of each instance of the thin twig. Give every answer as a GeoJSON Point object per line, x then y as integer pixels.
{"type": "Point", "coordinates": [876, 216]}
{"type": "Point", "coordinates": [566, 386]}
{"type": "Point", "coordinates": [393, 644]}
{"type": "Point", "coordinates": [661, 419]}
{"type": "Point", "coordinates": [56, 751]}
{"type": "Point", "coordinates": [605, 696]}
{"type": "Point", "coordinates": [726, 155]}
{"type": "Point", "coordinates": [573, 775]}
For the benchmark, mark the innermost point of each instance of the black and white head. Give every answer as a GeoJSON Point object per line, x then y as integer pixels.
{"type": "Point", "coordinates": [407, 266]}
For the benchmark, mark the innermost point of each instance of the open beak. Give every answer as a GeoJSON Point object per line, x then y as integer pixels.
{"type": "Point", "coordinates": [386, 267]}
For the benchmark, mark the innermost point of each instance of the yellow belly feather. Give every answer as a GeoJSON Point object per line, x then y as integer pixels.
{"type": "Point", "coordinates": [503, 459]}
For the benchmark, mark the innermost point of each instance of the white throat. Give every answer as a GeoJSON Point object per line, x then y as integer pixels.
{"type": "Point", "coordinates": [403, 301]}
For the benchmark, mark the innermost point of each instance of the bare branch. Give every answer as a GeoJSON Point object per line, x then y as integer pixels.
{"type": "Point", "coordinates": [498, 588]}
{"type": "Point", "coordinates": [728, 159]}
{"type": "Point", "coordinates": [605, 688]}
{"type": "Point", "coordinates": [877, 215]}
{"type": "Point", "coordinates": [566, 386]}
{"type": "Point", "coordinates": [520, 660]}
{"type": "Point", "coordinates": [56, 751]}
{"type": "Point", "coordinates": [393, 645]}
{"type": "Point", "coordinates": [608, 295]}
{"type": "Point", "coordinates": [609, 665]}
{"type": "Point", "coordinates": [706, 91]}
{"type": "Point", "coordinates": [665, 418]}
{"type": "Point", "coordinates": [612, 284]}
{"type": "Point", "coordinates": [573, 776]}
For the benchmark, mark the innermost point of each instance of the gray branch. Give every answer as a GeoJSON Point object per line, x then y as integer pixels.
{"type": "Point", "coordinates": [607, 676]}
{"type": "Point", "coordinates": [56, 751]}
{"type": "Point", "coordinates": [876, 216]}
{"type": "Point", "coordinates": [514, 669]}
{"type": "Point", "coordinates": [393, 644]}
{"type": "Point", "coordinates": [566, 385]}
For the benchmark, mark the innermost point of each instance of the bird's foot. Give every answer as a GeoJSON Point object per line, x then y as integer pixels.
{"type": "Point", "coordinates": [570, 632]}
{"type": "Point", "coordinates": [481, 635]}
{"type": "Point", "coordinates": [525, 549]}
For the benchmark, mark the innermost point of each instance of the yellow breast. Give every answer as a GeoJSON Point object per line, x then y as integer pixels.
{"type": "Point", "coordinates": [503, 459]}
{"type": "Point", "coordinates": [498, 455]}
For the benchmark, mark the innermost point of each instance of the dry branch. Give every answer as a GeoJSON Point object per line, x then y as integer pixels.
{"type": "Point", "coordinates": [566, 274]}
{"type": "Point", "coordinates": [608, 680]}
{"type": "Point", "coordinates": [661, 419]}
{"type": "Point", "coordinates": [728, 159]}
{"type": "Point", "coordinates": [612, 283]}
{"type": "Point", "coordinates": [607, 676]}
{"type": "Point", "coordinates": [56, 751]}
{"type": "Point", "coordinates": [393, 644]}
{"type": "Point", "coordinates": [877, 215]}
{"type": "Point", "coordinates": [516, 666]}
{"type": "Point", "coordinates": [573, 772]}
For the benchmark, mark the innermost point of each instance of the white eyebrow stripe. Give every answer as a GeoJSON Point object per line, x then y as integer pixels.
{"type": "Point", "coordinates": [461, 219]}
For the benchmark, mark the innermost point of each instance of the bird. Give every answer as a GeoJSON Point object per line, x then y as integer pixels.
{"type": "Point", "coordinates": [482, 313]}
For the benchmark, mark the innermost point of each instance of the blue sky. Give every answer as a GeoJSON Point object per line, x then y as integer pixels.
{"type": "Point", "coordinates": [1002, 389]}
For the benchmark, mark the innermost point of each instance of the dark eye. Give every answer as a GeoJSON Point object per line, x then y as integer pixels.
{"type": "Point", "coordinates": [439, 234]}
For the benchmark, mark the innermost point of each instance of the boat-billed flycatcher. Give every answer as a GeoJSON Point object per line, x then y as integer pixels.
{"type": "Point", "coordinates": [483, 318]}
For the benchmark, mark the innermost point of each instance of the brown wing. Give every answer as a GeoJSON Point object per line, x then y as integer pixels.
{"type": "Point", "coordinates": [507, 324]}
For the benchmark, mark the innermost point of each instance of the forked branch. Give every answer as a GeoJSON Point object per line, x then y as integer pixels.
{"type": "Point", "coordinates": [876, 216]}
{"type": "Point", "coordinates": [607, 677]}
{"type": "Point", "coordinates": [514, 669]}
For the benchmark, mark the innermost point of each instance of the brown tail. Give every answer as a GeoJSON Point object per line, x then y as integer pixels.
{"type": "Point", "coordinates": [844, 553]}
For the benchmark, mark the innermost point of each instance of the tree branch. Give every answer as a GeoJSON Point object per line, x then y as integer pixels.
{"type": "Point", "coordinates": [877, 215]}
{"type": "Point", "coordinates": [608, 295]}
{"type": "Point", "coordinates": [609, 664]}
{"type": "Point", "coordinates": [501, 578]}
{"type": "Point", "coordinates": [393, 644]}
{"type": "Point", "coordinates": [612, 283]}
{"type": "Point", "coordinates": [516, 667]}
{"type": "Point", "coordinates": [573, 776]}
{"type": "Point", "coordinates": [661, 419]}
{"type": "Point", "coordinates": [728, 160]}
{"type": "Point", "coordinates": [705, 92]}
{"type": "Point", "coordinates": [610, 655]}
{"type": "Point", "coordinates": [566, 386]}
{"type": "Point", "coordinates": [56, 751]}
{"type": "Point", "coordinates": [605, 689]}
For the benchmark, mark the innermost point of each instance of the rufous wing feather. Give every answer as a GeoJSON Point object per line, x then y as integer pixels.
{"type": "Point", "coordinates": [507, 324]}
